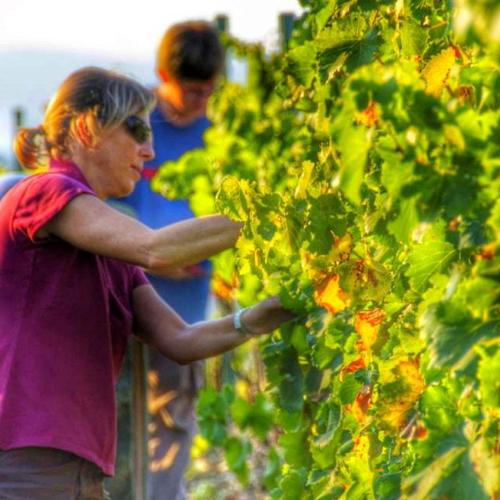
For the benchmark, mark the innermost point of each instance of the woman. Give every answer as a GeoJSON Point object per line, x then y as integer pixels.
{"type": "Point", "coordinates": [72, 289]}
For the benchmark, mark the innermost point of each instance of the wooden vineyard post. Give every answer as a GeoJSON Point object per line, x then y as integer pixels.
{"type": "Point", "coordinates": [221, 23]}
{"type": "Point", "coordinates": [18, 115]}
{"type": "Point", "coordinates": [139, 420]}
{"type": "Point", "coordinates": [286, 21]}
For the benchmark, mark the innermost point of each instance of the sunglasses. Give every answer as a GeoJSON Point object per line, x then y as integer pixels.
{"type": "Point", "coordinates": [138, 129]}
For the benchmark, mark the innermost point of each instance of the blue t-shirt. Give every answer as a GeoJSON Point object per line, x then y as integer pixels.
{"type": "Point", "coordinates": [188, 297]}
{"type": "Point", "coordinates": [9, 180]}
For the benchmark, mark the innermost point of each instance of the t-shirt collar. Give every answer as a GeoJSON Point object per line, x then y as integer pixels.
{"type": "Point", "coordinates": [69, 168]}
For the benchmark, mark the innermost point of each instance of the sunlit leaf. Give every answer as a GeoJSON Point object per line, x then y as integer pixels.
{"type": "Point", "coordinates": [489, 378]}
{"type": "Point", "coordinates": [367, 325]}
{"type": "Point", "coordinates": [422, 485]}
{"type": "Point", "coordinates": [429, 257]}
{"type": "Point", "coordinates": [330, 296]}
{"type": "Point", "coordinates": [370, 115]}
{"type": "Point", "coordinates": [401, 395]}
{"type": "Point", "coordinates": [450, 333]}
{"type": "Point", "coordinates": [437, 70]}
{"type": "Point", "coordinates": [486, 462]}
{"type": "Point", "coordinates": [222, 289]}
{"type": "Point", "coordinates": [354, 145]}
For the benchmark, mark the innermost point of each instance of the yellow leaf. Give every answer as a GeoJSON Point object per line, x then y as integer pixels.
{"type": "Point", "coordinates": [369, 116]}
{"type": "Point", "coordinates": [342, 248]}
{"type": "Point", "coordinates": [222, 289]}
{"type": "Point", "coordinates": [361, 404]}
{"type": "Point", "coordinates": [393, 412]}
{"type": "Point", "coordinates": [437, 70]}
{"type": "Point", "coordinates": [243, 390]}
{"type": "Point", "coordinates": [304, 180]}
{"type": "Point", "coordinates": [330, 296]}
{"type": "Point", "coordinates": [367, 324]}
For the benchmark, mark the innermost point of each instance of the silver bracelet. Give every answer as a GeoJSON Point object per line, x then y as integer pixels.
{"type": "Point", "coordinates": [239, 326]}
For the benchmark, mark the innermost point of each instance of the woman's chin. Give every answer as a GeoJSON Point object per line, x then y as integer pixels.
{"type": "Point", "coordinates": [123, 192]}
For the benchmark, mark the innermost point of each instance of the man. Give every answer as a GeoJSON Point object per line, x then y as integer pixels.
{"type": "Point", "coordinates": [189, 61]}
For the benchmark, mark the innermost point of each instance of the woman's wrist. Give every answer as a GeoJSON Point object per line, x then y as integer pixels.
{"type": "Point", "coordinates": [241, 325]}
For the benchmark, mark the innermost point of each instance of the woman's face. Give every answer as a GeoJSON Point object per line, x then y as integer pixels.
{"type": "Point", "coordinates": [118, 158]}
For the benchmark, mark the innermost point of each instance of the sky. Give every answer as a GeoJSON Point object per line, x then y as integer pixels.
{"type": "Point", "coordinates": [41, 41]}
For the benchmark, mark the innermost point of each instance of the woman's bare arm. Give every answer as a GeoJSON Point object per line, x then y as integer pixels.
{"type": "Point", "coordinates": [90, 224]}
{"type": "Point", "coordinates": [158, 325]}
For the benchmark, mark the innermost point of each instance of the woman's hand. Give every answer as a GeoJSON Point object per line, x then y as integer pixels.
{"type": "Point", "coordinates": [265, 317]}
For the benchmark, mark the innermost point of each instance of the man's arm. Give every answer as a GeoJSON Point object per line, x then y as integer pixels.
{"type": "Point", "coordinates": [88, 223]}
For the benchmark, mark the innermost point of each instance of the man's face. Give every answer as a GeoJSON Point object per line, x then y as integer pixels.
{"type": "Point", "coordinates": [190, 97]}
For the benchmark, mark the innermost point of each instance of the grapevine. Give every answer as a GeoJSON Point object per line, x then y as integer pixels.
{"type": "Point", "coordinates": [364, 163]}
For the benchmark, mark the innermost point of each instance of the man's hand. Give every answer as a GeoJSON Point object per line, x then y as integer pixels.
{"type": "Point", "coordinates": [181, 273]}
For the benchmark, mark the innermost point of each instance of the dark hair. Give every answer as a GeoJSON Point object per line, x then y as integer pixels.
{"type": "Point", "coordinates": [191, 51]}
{"type": "Point", "coordinates": [104, 99]}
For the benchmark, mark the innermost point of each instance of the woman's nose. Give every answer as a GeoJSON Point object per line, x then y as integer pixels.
{"type": "Point", "coordinates": [147, 151]}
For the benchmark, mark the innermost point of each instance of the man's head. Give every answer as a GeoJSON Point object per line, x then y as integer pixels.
{"type": "Point", "coordinates": [189, 60]}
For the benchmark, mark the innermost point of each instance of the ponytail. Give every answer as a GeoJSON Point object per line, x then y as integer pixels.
{"type": "Point", "coordinates": [30, 147]}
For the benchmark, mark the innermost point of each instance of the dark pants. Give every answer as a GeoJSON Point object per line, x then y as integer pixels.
{"type": "Point", "coordinates": [48, 474]}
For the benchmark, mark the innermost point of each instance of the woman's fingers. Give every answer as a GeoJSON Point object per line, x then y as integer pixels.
{"type": "Point", "coordinates": [266, 316]}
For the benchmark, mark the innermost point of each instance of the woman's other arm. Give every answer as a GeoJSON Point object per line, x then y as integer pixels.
{"type": "Point", "coordinates": [158, 325]}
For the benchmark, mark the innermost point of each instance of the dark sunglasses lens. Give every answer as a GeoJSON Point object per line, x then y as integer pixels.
{"type": "Point", "coordinates": [138, 129]}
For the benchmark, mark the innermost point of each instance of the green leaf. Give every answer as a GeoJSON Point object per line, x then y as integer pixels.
{"type": "Point", "coordinates": [388, 486]}
{"type": "Point", "coordinates": [323, 16]}
{"type": "Point", "coordinates": [291, 396]}
{"type": "Point", "coordinates": [429, 257]}
{"type": "Point", "coordinates": [404, 224]}
{"type": "Point", "coordinates": [304, 179]}
{"type": "Point", "coordinates": [494, 220]}
{"type": "Point", "coordinates": [349, 389]}
{"type": "Point", "coordinates": [326, 215]}
{"type": "Point", "coordinates": [362, 53]}
{"type": "Point", "coordinates": [422, 484]}
{"type": "Point", "coordinates": [257, 415]}
{"type": "Point", "coordinates": [486, 464]}
{"type": "Point", "coordinates": [273, 469]}
{"type": "Point", "coordinates": [489, 378]}
{"type": "Point", "coordinates": [323, 355]}
{"type": "Point", "coordinates": [211, 410]}
{"type": "Point", "coordinates": [295, 448]}
{"type": "Point", "coordinates": [413, 38]}
{"type": "Point", "coordinates": [450, 333]}
{"type": "Point", "coordinates": [439, 409]}
{"type": "Point", "coordinates": [323, 446]}
{"type": "Point", "coordinates": [292, 485]}
{"type": "Point", "coordinates": [302, 62]}
{"type": "Point", "coordinates": [463, 483]}
{"type": "Point", "coordinates": [346, 49]}
{"type": "Point", "coordinates": [354, 144]}
{"type": "Point", "coordinates": [395, 173]}
{"type": "Point", "coordinates": [284, 372]}
{"type": "Point", "coordinates": [231, 199]}
{"type": "Point", "coordinates": [236, 454]}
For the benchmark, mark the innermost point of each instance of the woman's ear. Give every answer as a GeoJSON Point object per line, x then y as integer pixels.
{"type": "Point", "coordinates": [83, 133]}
